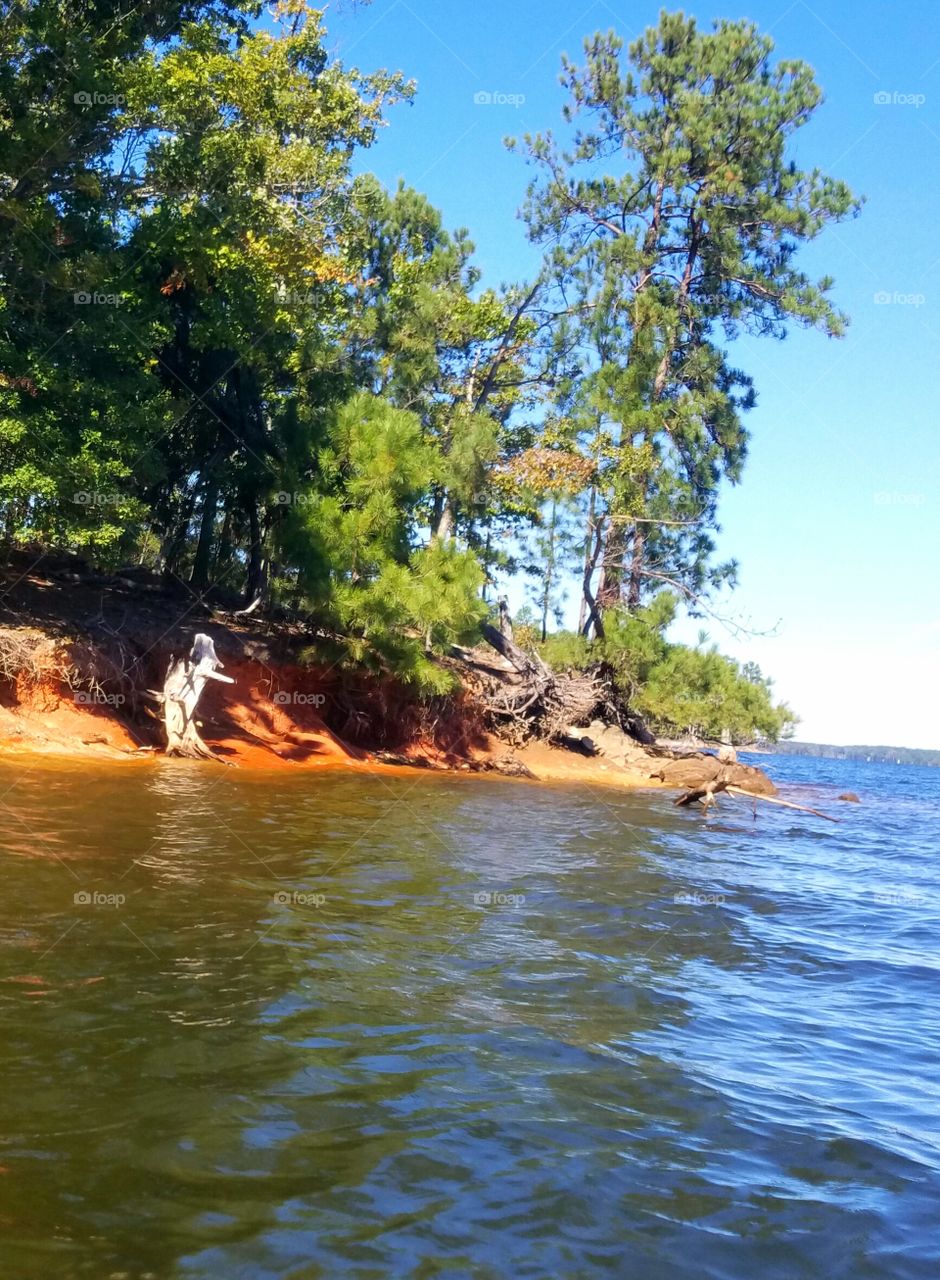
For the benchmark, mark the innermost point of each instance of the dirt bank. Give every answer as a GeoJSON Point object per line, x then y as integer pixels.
{"type": "Point", "coordinates": [81, 654]}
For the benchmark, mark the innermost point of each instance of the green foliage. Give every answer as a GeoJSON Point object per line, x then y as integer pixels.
{"type": "Point", "coordinates": [568, 651]}
{"type": "Point", "coordinates": [705, 694]}
{"type": "Point", "coordinates": [223, 355]}
{"type": "Point", "coordinates": [675, 214]}
{"type": "Point", "coordinates": [677, 689]}
{"type": "Point", "coordinates": [392, 595]}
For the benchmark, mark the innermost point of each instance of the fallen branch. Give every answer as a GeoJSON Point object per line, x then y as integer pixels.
{"type": "Point", "coordinates": [242, 613]}
{"type": "Point", "coordinates": [707, 795]}
{"type": "Point", "coordinates": [787, 804]}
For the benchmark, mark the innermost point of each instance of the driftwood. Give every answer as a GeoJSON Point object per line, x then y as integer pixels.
{"type": "Point", "coordinates": [787, 804]}
{"type": "Point", "coordinates": [510, 767]}
{"type": "Point", "coordinates": [185, 680]}
{"type": "Point", "coordinates": [707, 795]}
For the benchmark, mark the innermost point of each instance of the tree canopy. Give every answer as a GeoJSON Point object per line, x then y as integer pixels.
{"type": "Point", "coordinates": [226, 357]}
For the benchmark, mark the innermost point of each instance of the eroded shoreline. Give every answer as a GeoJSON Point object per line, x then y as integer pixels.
{"type": "Point", "coordinates": [82, 656]}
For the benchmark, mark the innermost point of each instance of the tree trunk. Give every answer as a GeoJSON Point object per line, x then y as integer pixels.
{"type": "Point", "coordinates": [588, 562]}
{"type": "Point", "coordinates": [593, 618]}
{"type": "Point", "coordinates": [174, 544]}
{"type": "Point", "coordinates": [504, 645]}
{"type": "Point", "coordinates": [445, 525]}
{"type": "Point", "coordinates": [610, 588]}
{"type": "Point", "coordinates": [635, 585]}
{"type": "Point", "coordinates": [486, 566]}
{"type": "Point", "coordinates": [257, 576]}
{"type": "Point", "coordinates": [549, 580]}
{"type": "Point", "coordinates": [199, 578]}
{"type": "Point", "coordinates": [223, 551]}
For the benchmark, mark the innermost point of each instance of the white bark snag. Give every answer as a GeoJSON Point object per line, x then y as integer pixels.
{"type": "Point", "coordinates": [185, 681]}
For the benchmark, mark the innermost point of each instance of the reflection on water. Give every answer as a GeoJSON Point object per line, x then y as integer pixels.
{"type": "Point", "coordinates": [396, 1027]}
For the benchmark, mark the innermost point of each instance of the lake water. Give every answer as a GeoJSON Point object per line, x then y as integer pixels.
{"type": "Point", "coordinates": [415, 1026]}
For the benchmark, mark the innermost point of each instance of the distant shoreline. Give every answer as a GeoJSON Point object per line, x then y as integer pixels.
{"type": "Point", "coordinates": [866, 754]}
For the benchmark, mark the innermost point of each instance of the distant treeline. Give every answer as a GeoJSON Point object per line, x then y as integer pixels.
{"type": "Point", "coordinates": [877, 755]}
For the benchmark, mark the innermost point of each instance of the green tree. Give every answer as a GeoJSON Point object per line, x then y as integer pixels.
{"type": "Point", "coordinates": [394, 594]}
{"type": "Point", "coordinates": [244, 234]}
{"type": "Point", "coordinates": [77, 404]}
{"type": "Point", "coordinates": [474, 363]}
{"type": "Point", "coordinates": [675, 216]}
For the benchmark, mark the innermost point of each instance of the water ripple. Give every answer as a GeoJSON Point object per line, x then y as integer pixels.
{"type": "Point", "coordinates": [387, 1027]}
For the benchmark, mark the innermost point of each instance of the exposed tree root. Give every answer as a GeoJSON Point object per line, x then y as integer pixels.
{"type": "Point", "coordinates": [524, 698]}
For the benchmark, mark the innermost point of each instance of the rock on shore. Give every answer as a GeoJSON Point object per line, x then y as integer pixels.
{"type": "Point", "coordinates": [692, 769]}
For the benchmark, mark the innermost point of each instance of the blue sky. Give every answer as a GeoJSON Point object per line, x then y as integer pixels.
{"type": "Point", "coordinates": [836, 523]}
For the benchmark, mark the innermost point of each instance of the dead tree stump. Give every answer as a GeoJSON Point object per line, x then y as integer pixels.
{"type": "Point", "coordinates": [185, 680]}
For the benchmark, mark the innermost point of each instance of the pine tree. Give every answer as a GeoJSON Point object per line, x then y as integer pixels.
{"type": "Point", "coordinates": [392, 592]}
{"type": "Point", "coordinates": [675, 216]}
